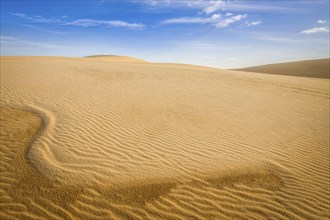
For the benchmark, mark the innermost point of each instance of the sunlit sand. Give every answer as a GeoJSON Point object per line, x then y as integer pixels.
{"type": "Point", "coordinates": [310, 68]}
{"type": "Point", "coordinates": [117, 138]}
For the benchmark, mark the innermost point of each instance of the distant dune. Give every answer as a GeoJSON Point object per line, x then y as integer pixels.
{"type": "Point", "coordinates": [114, 58]}
{"type": "Point", "coordinates": [308, 68]}
{"type": "Point", "coordinates": [84, 139]}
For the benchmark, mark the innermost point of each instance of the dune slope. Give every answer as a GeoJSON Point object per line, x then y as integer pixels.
{"type": "Point", "coordinates": [114, 58]}
{"type": "Point", "coordinates": [160, 141]}
{"type": "Point", "coordinates": [308, 68]}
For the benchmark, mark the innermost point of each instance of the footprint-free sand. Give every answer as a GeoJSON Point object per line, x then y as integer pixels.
{"type": "Point", "coordinates": [95, 138]}
{"type": "Point", "coordinates": [307, 68]}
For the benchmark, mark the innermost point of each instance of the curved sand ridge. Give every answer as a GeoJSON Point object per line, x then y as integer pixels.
{"type": "Point", "coordinates": [172, 141]}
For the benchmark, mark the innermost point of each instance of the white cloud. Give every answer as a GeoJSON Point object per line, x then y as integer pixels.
{"type": "Point", "coordinates": [321, 21]}
{"type": "Point", "coordinates": [252, 23]}
{"type": "Point", "coordinates": [226, 22]}
{"type": "Point", "coordinates": [205, 6]}
{"type": "Point", "coordinates": [216, 16]}
{"type": "Point", "coordinates": [213, 6]}
{"type": "Point", "coordinates": [150, 2]}
{"type": "Point", "coordinates": [193, 20]}
{"type": "Point", "coordinates": [39, 19]}
{"type": "Point", "coordinates": [186, 20]}
{"type": "Point", "coordinates": [262, 6]}
{"type": "Point", "coordinates": [93, 23]}
{"type": "Point", "coordinates": [208, 7]}
{"type": "Point", "coordinates": [84, 23]}
{"type": "Point", "coordinates": [170, 3]}
{"type": "Point", "coordinates": [80, 22]}
{"type": "Point", "coordinates": [315, 30]}
{"type": "Point", "coordinates": [195, 3]}
{"type": "Point", "coordinates": [125, 24]}
{"type": "Point", "coordinates": [215, 20]}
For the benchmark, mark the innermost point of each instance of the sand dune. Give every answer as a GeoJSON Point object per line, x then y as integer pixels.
{"type": "Point", "coordinates": [114, 58]}
{"type": "Point", "coordinates": [308, 68]}
{"type": "Point", "coordinates": [83, 139]}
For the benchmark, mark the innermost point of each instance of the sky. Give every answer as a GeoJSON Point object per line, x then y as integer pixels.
{"type": "Point", "coordinates": [216, 33]}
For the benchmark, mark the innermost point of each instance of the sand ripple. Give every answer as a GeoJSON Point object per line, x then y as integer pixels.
{"type": "Point", "coordinates": [161, 141]}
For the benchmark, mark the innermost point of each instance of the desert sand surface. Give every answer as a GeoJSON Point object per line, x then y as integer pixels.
{"type": "Point", "coordinates": [307, 68]}
{"type": "Point", "coordinates": [117, 59]}
{"type": "Point", "coordinates": [89, 139]}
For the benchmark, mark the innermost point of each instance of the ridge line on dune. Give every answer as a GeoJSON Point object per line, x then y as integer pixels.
{"type": "Point", "coordinates": [38, 143]}
{"type": "Point", "coordinates": [28, 146]}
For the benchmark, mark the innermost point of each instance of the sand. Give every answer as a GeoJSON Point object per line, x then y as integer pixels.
{"type": "Point", "coordinates": [89, 139]}
{"type": "Point", "coordinates": [308, 68]}
{"type": "Point", "coordinates": [116, 59]}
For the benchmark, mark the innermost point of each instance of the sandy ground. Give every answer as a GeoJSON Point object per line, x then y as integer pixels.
{"type": "Point", "coordinates": [310, 68]}
{"type": "Point", "coordinates": [92, 139]}
{"type": "Point", "coordinates": [116, 59]}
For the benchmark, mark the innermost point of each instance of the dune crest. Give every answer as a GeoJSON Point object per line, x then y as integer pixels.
{"type": "Point", "coordinates": [308, 68]}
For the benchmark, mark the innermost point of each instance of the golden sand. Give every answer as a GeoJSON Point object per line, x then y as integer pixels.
{"type": "Point", "coordinates": [84, 139]}
{"type": "Point", "coordinates": [116, 59]}
{"type": "Point", "coordinates": [309, 68]}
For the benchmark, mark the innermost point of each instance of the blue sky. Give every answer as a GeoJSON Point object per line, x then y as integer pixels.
{"type": "Point", "coordinates": [216, 33]}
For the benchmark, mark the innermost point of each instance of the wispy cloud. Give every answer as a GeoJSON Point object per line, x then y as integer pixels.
{"type": "Point", "coordinates": [38, 19]}
{"type": "Point", "coordinates": [13, 41]}
{"type": "Point", "coordinates": [213, 6]}
{"type": "Point", "coordinates": [252, 23]}
{"type": "Point", "coordinates": [111, 23]}
{"type": "Point", "coordinates": [80, 22]}
{"type": "Point", "coordinates": [215, 20]}
{"type": "Point", "coordinates": [209, 8]}
{"type": "Point", "coordinates": [254, 6]}
{"type": "Point", "coordinates": [226, 22]}
{"type": "Point", "coordinates": [193, 20]}
{"type": "Point", "coordinates": [321, 21]}
{"type": "Point", "coordinates": [203, 6]}
{"type": "Point", "coordinates": [186, 20]}
{"type": "Point", "coordinates": [170, 3]}
{"type": "Point", "coordinates": [316, 30]}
